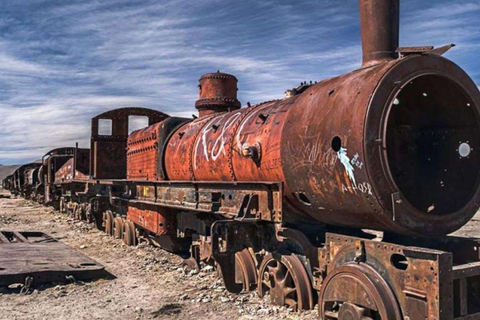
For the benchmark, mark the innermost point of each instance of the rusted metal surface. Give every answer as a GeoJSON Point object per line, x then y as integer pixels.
{"type": "Point", "coordinates": [146, 147]}
{"type": "Point", "coordinates": [240, 201]}
{"type": "Point", "coordinates": [362, 292]}
{"type": "Point", "coordinates": [160, 221]}
{"type": "Point", "coordinates": [108, 156]}
{"type": "Point", "coordinates": [108, 222]}
{"type": "Point", "coordinates": [218, 93]}
{"type": "Point", "coordinates": [129, 236]}
{"type": "Point", "coordinates": [69, 172]}
{"type": "Point", "coordinates": [178, 157]}
{"type": "Point", "coordinates": [37, 256]}
{"type": "Point", "coordinates": [143, 154]}
{"type": "Point", "coordinates": [31, 175]}
{"type": "Point", "coordinates": [31, 180]}
{"type": "Point", "coordinates": [52, 161]}
{"type": "Point", "coordinates": [7, 183]}
{"type": "Point", "coordinates": [24, 179]}
{"type": "Point", "coordinates": [246, 269]}
{"type": "Point", "coordinates": [286, 280]}
{"type": "Point", "coordinates": [380, 21]}
{"type": "Point", "coordinates": [424, 279]}
{"type": "Point", "coordinates": [334, 158]}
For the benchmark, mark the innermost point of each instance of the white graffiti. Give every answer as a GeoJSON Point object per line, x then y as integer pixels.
{"type": "Point", "coordinates": [206, 129]}
{"type": "Point", "coordinates": [363, 187]}
{"type": "Point", "coordinates": [345, 160]}
{"type": "Point", "coordinates": [221, 139]}
{"type": "Point", "coordinates": [239, 131]}
{"type": "Point", "coordinates": [218, 147]}
{"type": "Point", "coordinates": [356, 161]}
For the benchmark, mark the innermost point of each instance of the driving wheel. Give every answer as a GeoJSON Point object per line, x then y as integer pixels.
{"type": "Point", "coordinates": [287, 281]}
{"type": "Point", "coordinates": [108, 222]}
{"type": "Point", "coordinates": [118, 226]}
{"type": "Point", "coordinates": [129, 233]}
{"type": "Point", "coordinates": [357, 292]}
{"type": "Point", "coordinates": [245, 270]}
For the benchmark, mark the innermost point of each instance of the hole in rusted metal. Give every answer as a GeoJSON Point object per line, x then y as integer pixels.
{"type": "Point", "coordinates": [336, 144]}
{"type": "Point", "coordinates": [399, 261]}
{"type": "Point", "coordinates": [464, 149]}
{"type": "Point", "coordinates": [303, 198]}
{"type": "Point", "coordinates": [263, 117]}
{"type": "Point", "coordinates": [433, 140]}
{"type": "Point", "coordinates": [87, 264]}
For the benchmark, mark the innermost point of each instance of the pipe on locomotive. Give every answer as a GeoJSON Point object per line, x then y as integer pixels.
{"type": "Point", "coordinates": [380, 20]}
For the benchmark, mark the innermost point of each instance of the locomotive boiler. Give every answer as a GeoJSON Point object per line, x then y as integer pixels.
{"type": "Point", "coordinates": [341, 194]}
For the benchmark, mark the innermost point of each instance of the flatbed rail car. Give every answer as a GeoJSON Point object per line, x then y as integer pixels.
{"type": "Point", "coordinates": [342, 194]}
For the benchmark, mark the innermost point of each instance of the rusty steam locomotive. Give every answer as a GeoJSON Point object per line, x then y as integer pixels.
{"type": "Point", "coordinates": [282, 197]}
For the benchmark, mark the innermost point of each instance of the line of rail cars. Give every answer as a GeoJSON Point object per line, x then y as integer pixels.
{"type": "Point", "coordinates": [281, 196]}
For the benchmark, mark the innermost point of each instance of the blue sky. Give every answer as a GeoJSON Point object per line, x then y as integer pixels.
{"type": "Point", "coordinates": [62, 62]}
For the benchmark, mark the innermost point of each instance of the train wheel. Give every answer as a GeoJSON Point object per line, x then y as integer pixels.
{"type": "Point", "coordinates": [108, 222]}
{"type": "Point", "coordinates": [129, 233]}
{"type": "Point", "coordinates": [357, 292]}
{"type": "Point", "coordinates": [245, 270]}
{"type": "Point", "coordinates": [83, 211]}
{"type": "Point", "coordinates": [285, 277]}
{"type": "Point", "coordinates": [70, 207]}
{"type": "Point", "coordinates": [118, 226]}
{"type": "Point", "coordinates": [191, 264]}
{"type": "Point", "coordinates": [77, 212]}
{"type": "Point", "coordinates": [61, 206]}
{"type": "Point", "coordinates": [87, 215]}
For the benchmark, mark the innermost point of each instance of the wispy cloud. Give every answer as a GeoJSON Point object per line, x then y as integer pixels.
{"type": "Point", "coordinates": [62, 62]}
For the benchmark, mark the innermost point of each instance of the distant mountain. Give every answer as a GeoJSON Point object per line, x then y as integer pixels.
{"type": "Point", "coordinates": [6, 170]}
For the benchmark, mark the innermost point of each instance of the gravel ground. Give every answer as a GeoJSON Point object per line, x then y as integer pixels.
{"type": "Point", "coordinates": [149, 283]}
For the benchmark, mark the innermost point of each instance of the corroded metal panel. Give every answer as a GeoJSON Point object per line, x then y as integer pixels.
{"type": "Point", "coordinates": [159, 221]}
{"type": "Point", "coordinates": [178, 157]}
{"type": "Point", "coordinates": [108, 159]}
{"type": "Point", "coordinates": [37, 256]}
{"type": "Point", "coordinates": [143, 154]}
{"type": "Point", "coordinates": [66, 172]}
{"type": "Point", "coordinates": [260, 201]}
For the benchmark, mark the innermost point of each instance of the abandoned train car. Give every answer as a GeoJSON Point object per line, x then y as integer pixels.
{"type": "Point", "coordinates": [281, 196]}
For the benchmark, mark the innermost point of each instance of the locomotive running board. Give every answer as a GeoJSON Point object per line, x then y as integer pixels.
{"type": "Point", "coordinates": [34, 257]}
{"type": "Point", "coordinates": [239, 200]}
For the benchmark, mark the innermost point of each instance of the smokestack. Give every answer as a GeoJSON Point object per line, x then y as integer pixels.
{"type": "Point", "coordinates": [218, 93]}
{"type": "Point", "coordinates": [380, 20]}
